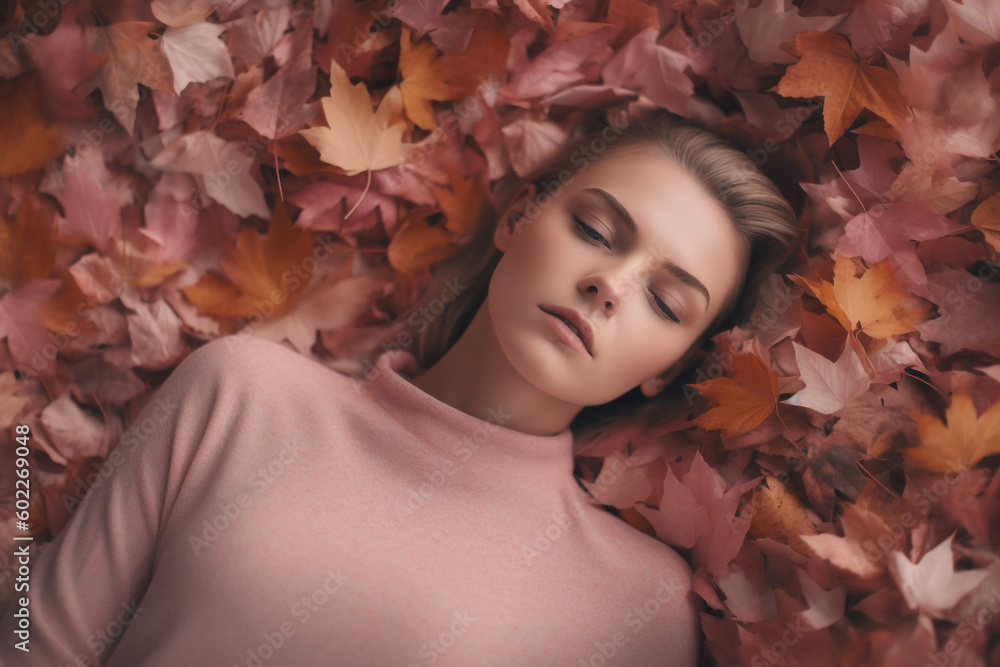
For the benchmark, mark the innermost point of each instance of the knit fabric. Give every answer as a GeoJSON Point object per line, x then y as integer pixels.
{"type": "Point", "coordinates": [267, 510]}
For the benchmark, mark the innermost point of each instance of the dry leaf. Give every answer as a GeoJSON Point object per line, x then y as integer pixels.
{"type": "Point", "coordinates": [876, 302]}
{"type": "Point", "coordinates": [961, 441]}
{"type": "Point", "coordinates": [744, 400]}
{"type": "Point", "coordinates": [829, 67]}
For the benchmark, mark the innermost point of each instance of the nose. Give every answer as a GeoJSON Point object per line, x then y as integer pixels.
{"type": "Point", "coordinates": [605, 290]}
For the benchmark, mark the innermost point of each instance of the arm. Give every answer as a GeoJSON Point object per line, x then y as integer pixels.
{"type": "Point", "coordinates": [93, 574]}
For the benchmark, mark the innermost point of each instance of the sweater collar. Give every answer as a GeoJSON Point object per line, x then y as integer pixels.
{"type": "Point", "coordinates": [423, 413]}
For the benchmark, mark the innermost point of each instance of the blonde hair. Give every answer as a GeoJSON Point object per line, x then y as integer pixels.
{"type": "Point", "coordinates": [763, 219]}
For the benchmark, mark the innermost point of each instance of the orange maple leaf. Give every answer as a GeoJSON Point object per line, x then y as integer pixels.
{"type": "Point", "coordinates": [421, 241]}
{"type": "Point", "coordinates": [262, 274]}
{"type": "Point", "coordinates": [69, 311]}
{"type": "Point", "coordinates": [829, 67]}
{"type": "Point", "coordinates": [452, 75]}
{"type": "Point", "coordinates": [29, 139]}
{"type": "Point", "coordinates": [462, 202]}
{"type": "Point", "coordinates": [961, 442]}
{"type": "Point", "coordinates": [875, 303]}
{"type": "Point", "coordinates": [745, 399]}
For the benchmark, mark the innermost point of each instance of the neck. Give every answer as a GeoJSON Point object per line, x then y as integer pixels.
{"type": "Point", "coordinates": [476, 377]}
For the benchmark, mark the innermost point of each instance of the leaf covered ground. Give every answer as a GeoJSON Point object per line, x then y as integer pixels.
{"type": "Point", "coordinates": [183, 169]}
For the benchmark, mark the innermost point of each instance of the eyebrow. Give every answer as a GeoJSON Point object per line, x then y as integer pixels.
{"type": "Point", "coordinates": [620, 212]}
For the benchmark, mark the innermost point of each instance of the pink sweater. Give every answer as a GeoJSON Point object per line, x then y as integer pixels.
{"type": "Point", "coordinates": [267, 510]}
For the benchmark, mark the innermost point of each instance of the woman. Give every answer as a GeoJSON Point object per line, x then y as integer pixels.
{"type": "Point", "coordinates": [268, 510]}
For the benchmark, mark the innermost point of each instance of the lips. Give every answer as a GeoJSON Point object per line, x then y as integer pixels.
{"type": "Point", "coordinates": [575, 321]}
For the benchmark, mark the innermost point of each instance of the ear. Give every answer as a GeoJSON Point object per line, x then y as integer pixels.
{"type": "Point", "coordinates": [654, 385]}
{"type": "Point", "coordinates": [513, 217]}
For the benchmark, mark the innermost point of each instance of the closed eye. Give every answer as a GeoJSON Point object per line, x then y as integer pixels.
{"type": "Point", "coordinates": [591, 233]}
{"type": "Point", "coordinates": [666, 309]}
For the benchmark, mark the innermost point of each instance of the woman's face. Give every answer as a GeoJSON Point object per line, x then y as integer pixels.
{"type": "Point", "coordinates": [575, 252]}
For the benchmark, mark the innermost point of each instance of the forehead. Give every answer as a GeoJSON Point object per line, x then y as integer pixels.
{"type": "Point", "coordinates": [645, 175]}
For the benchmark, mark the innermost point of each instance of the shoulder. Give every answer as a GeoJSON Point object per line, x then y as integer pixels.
{"type": "Point", "coordinates": [662, 609]}
{"type": "Point", "coordinates": [249, 361]}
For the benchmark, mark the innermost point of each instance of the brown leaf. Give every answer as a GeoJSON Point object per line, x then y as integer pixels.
{"type": "Point", "coordinates": [829, 67]}
{"type": "Point", "coordinates": [780, 515]}
{"type": "Point", "coordinates": [29, 138]}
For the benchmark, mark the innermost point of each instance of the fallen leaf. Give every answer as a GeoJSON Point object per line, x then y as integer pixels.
{"type": "Point", "coordinates": [987, 218]}
{"type": "Point", "coordinates": [29, 139]}
{"type": "Point", "coordinates": [829, 67]}
{"type": "Point", "coordinates": [932, 585]}
{"type": "Point", "coordinates": [825, 607]}
{"type": "Point", "coordinates": [744, 400]}
{"type": "Point", "coordinates": [656, 71]}
{"type": "Point", "coordinates": [830, 386]}
{"type": "Point", "coordinates": [196, 53]}
{"type": "Point", "coordinates": [265, 272]}
{"type": "Point", "coordinates": [222, 169]}
{"type": "Point", "coordinates": [357, 139]}
{"type": "Point", "coordinates": [133, 58]}
{"type": "Point", "coordinates": [875, 302]}
{"type": "Point", "coordinates": [780, 515]}
{"type": "Point", "coordinates": [420, 241]}
{"type": "Point", "coordinates": [428, 75]}
{"type": "Point", "coordinates": [961, 441]}
{"type": "Point", "coordinates": [773, 23]}
{"type": "Point", "coordinates": [278, 107]}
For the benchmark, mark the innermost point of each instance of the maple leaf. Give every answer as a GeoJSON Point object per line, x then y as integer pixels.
{"type": "Point", "coordinates": [251, 38]}
{"type": "Point", "coordinates": [745, 399]}
{"type": "Point", "coordinates": [452, 32]}
{"type": "Point", "coordinates": [278, 107]}
{"type": "Point", "coordinates": [420, 241]}
{"type": "Point", "coordinates": [960, 442]}
{"type": "Point", "coordinates": [875, 303]}
{"type": "Point", "coordinates": [699, 511]}
{"type": "Point", "coordinates": [22, 324]}
{"type": "Point", "coordinates": [133, 58]}
{"type": "Point", "coordinates": [968, 309]}
{"type": "Point", "coordinates": [333, 300]}
{"type": "Point", "coordinates": [655, 71]}
{"type": "Point", "coordinates": [63, 61]}
{"type": "Point", "coordinates": [773, 23]}
{"type": "Point", "coordinates": [977, 21]}
{"type": "Point", "coordinates": [829, 67]}
{"type": "Point", "coordinates": [885, 231]}
{"type": "Point", "coordinates": [825, 607]}
{"type": "Point", "coordinates": [829, 386]}
{"type": "Point", "coordinates": [427, 76]}
{"type": "Point", "coordinates": [222, 169]}
{"type": "Point", "coordinates": [259, 268]}
{"type": "Point", "coordinates": [932, 585]}
{"type": "Point", "coordinates": [780, 515]}
{"type": "Point", "coordinates": [93, 212]}
{"type": "Point", "coordinates": [154, 332]}
{"type": "Point", "coordinates": [852, 553]}
{"type": "Point", "coordinates": [572, 52]}
{"type": "Point", "coordinates": [74, 432]}
{"type": "Point", "coordinates": [358, 139]}
{"type": "Point", "coordinates": [461, 203]}
{"type": "Point", "coordinates": [987, 218]}
{"type": "Point", "coordinates": [196, 54]}
{"type": "Point", "coordinates": [29, 140]}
